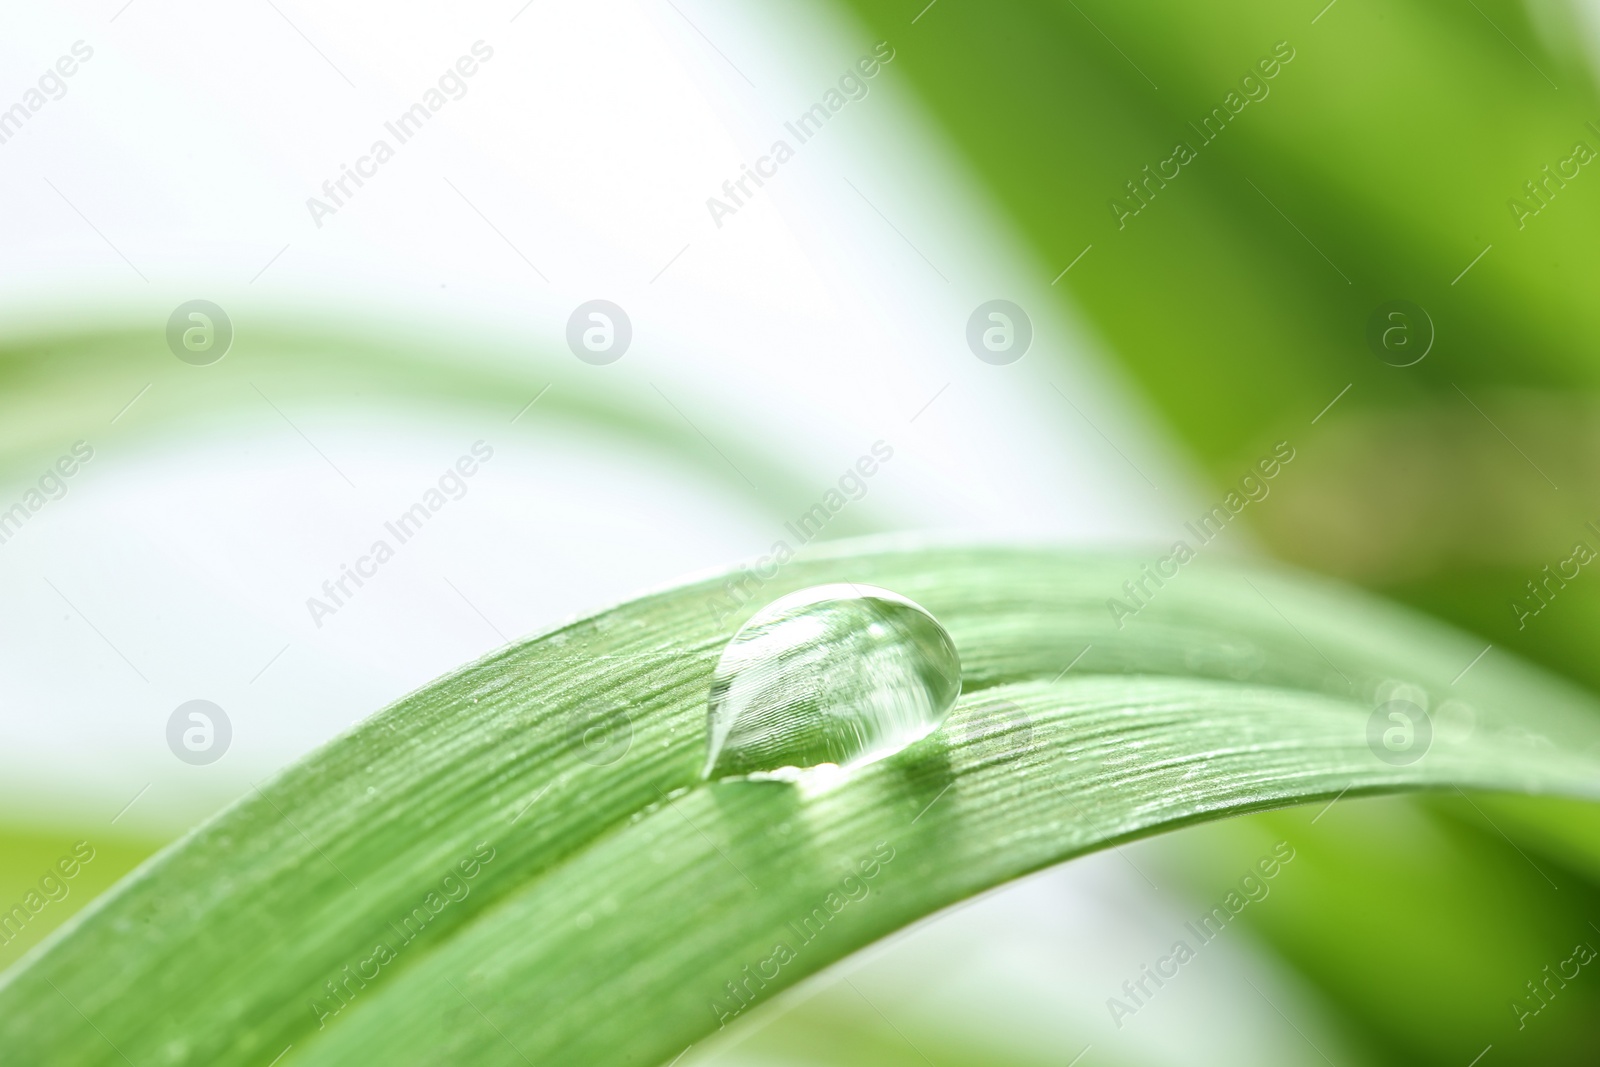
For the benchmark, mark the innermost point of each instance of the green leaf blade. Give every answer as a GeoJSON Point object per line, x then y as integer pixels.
{"type": "Point", "coordinates": [622, 897]}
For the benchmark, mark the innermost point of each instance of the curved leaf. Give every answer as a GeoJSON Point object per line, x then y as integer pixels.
{"type": "Point", "coordinates": [54, 387]}
{"type": "Point", "coordinates": [564, 908]}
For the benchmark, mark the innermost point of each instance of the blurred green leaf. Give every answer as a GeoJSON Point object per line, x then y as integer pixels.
{"type": "Point", "coordinates": [29, 856]}
{"type": "Point", "coordinates": [122, 383]}
{"type": "Point", "coordinates": [1381, 164]}
{"type": "Point", "coordinates": [1419, 920]}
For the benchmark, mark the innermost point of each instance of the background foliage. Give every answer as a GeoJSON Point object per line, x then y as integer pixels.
{"type": "Point", "coordinates": [1381, 165]}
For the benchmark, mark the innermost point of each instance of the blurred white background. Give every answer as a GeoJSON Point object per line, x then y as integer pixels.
{"type": "Point", "coordinates": [825, 314]}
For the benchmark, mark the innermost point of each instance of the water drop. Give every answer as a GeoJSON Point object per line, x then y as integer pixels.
{"type": "Point", "coordinates": [838, 674]}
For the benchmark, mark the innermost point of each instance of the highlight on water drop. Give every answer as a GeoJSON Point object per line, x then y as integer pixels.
{"type": "Point", "coordinates": [840, 674]}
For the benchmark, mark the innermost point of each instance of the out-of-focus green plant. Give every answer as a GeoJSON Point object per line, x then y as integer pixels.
{"type": "Point", "coordinates": [78, 382]}
{"type": "Point", "coordinates": [1388, 156]}
{"type": "Point", "coordinates": [1375, 164]}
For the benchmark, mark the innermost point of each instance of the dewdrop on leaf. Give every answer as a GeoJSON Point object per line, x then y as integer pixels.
{"type": "Point", "coordinates": [839, 674]}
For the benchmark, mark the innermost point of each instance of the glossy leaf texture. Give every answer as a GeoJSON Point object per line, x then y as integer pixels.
{"type": "Point", "coordinates": [542, 898]}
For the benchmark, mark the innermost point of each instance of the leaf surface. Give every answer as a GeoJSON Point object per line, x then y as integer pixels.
{"type": "Point", "coordinates": [544, 897]}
